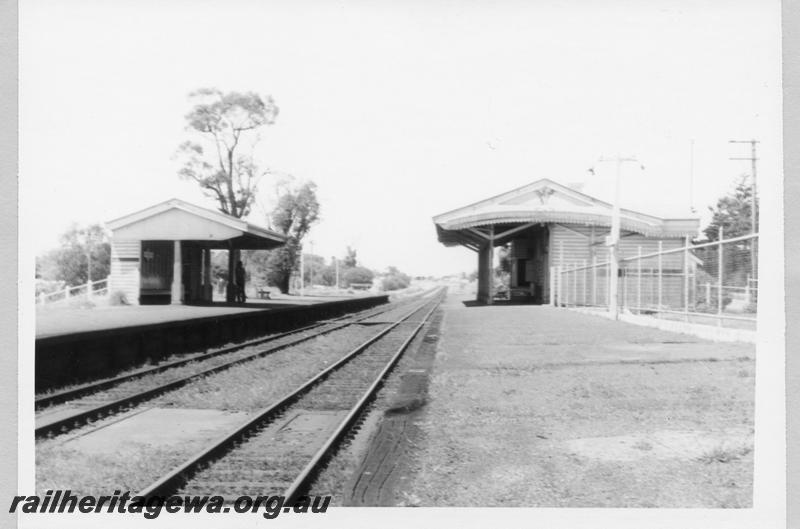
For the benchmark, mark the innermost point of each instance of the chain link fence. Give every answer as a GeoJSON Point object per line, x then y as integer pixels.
{"type": "Point", "coordinates": [714, 282]}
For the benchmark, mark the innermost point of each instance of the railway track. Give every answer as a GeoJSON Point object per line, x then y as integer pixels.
{"type": "Point", "coordinates": [110, 396]}
{"type": "Point", "coordinates": [282, 448]}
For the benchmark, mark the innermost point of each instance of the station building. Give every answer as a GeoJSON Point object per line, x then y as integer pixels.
{"type": "Point", "coordinates": [546, 225]}
{"type": "Point", "coordinates": [162, 254]}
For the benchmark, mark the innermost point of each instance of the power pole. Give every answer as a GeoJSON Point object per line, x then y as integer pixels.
{"type": "Point", "coordinates": [613, 239]}
{"type": "Point", "coordinates": [753, 200]}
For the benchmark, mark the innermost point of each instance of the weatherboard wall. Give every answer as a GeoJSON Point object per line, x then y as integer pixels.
{"type": "Point", "coordinates": [124, 277]}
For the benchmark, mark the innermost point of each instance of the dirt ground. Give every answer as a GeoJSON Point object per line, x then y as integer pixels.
{"type": "Point", "coordinates": [543, 407]}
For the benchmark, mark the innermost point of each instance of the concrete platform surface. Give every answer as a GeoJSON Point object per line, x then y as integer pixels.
{"type": "Point", "coordinates": [534, 406]}
{"type": "Point", "coordinates": [60, 320]}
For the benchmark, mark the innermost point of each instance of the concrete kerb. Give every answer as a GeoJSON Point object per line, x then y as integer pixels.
{"type": "Point", "coordinates": [707, 332]}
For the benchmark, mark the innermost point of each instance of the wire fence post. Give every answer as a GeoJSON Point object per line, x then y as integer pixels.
{"type": "Point", "coordinates": [571, 291]}
{"type": "Point", "coordinates": [608, 280]}
{"type": "Point", "coordinates": [568, 295]}
{"type": "Point", "coordinates": [575, 284]}
{"type": "Point", "coordinates": [720, 272]}
{"type": "Point", "coordinates": [558, 287]}
{"type": "Point", "coordinates": [624, 271]}
{"type": "Point", "coordinates": [585, 286]}
{"type": "Point", "coordinates": [660, 289]}
{"type": "Point", "coordinates": [686, 278]}
{"type": "Point", "coordinates": [639, 283]}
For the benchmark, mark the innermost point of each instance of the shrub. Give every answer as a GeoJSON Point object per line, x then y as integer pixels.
{"type": "Point", "coordinates": [395, 282]}
{"type": "Point", "coordinates": [359, 274]}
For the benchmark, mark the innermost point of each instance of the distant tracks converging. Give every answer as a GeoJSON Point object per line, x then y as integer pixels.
{"type": "Point", "coordinates": [247, 459]}
{"type": "Point", "coordinates": [63, 423]}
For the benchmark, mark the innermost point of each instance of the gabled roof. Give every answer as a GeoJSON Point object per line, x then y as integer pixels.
{"type": "Point", "coordinates": [221, 226]}
{"type": "Point", "coordinates": [548, 201]}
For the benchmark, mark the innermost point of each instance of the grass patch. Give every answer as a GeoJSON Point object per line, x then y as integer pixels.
{"type": "Point", "coordinates": [135, 467]}
{"type": "Point", "coordinates": [724, 454]}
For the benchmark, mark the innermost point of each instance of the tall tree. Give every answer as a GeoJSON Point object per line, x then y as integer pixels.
{"type": "Point", "coordinates": [349, 260]}
{"type": "Point", "coordinates": [226, 127]}
{"type": "Point", "coordinates": [81, 249]}
{"type": "Point", "coordinates": [297, 210]}
{"type": "Point", "coordinates": [733, 212]}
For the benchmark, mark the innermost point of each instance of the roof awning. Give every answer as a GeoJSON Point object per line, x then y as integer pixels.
{"type": "Point", "coordinates": [546, 201]}
{"type": "Point", "coordinates": [176, 220]}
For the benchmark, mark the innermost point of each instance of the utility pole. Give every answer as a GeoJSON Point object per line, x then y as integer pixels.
{"type": "Point", "coordinates": [613, 239]}
{"type": "Point", "coordinates": [753, 201]}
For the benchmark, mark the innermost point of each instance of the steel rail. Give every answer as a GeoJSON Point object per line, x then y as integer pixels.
{"type": "Point", "coordinates": [177, 477]}
{"type": "Point", "coordinates": [80, 417]}
{"type": "Point", "coordinates": [85, 389]}
{"type": "Point", "coordinates": [328, 449]}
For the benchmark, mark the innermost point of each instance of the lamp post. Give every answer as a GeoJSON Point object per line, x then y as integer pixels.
{"type": "Point", "coordinates": [612, 241]}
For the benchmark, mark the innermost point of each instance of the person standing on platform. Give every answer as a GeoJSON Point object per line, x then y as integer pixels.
{"type": "Point", "coordinates": [240, 279]}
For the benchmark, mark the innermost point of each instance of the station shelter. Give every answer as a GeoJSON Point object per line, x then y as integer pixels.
{"type": "Point", "coordinates": [162, 254]}
{"type": "Point", "coordinates": [545, 225]}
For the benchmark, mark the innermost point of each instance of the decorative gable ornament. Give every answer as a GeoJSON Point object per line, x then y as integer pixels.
{"type": "Point", "coordinates": [544, 193]}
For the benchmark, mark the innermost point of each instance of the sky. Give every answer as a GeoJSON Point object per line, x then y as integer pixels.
{"type": "Point", "coordinates": [398, 111]}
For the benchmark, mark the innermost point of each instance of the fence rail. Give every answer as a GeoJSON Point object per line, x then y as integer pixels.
{"type": "Point", "coordinates": [713, 279]}
{"type": "Point", "coordinates": [89, 290]}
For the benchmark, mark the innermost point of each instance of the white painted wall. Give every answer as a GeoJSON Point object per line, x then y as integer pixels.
{"type": "Point", "coordinates": [125, 273]}
{"type": "Point", "coordinates": [176, 225]}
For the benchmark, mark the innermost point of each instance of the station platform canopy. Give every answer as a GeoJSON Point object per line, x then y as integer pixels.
{"type": "Point", "coordinates": [162, 254]}
{"type": "Point", "coordinates": [545, 225]}
{"type": "Point", "coordinates": [546, 201]}
{"type": "Point", "coordinates": [177, 220]}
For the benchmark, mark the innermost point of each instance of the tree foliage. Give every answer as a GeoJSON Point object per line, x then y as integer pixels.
{"type": "Point", "coordinates": [358, 274]}
{"type": "Point", "coordinates": [315, 268]}
{"type": "Point", "coordinates": [349, 260]}
{"type": "Point", "coordinates": [220, 158]}
{"type": "Point", "coordinates": [733, 213]}
{"type": "Point", "coordinates": [297, 210]}
{"type": "Point", "coordinates": [68, 263]}
{"type": "Point", "coordinates": [394, 279]}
